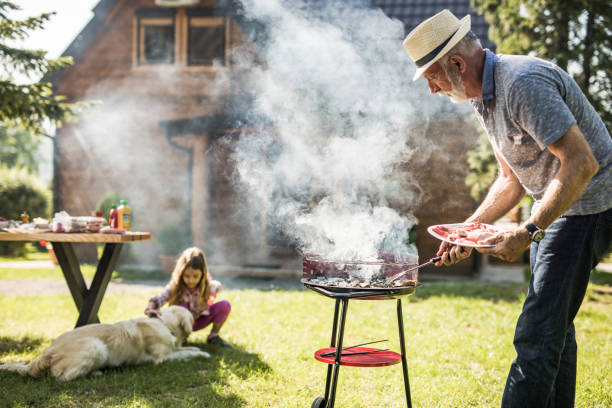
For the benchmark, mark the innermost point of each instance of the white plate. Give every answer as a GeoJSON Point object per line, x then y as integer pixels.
{"type": "Point", "coordinates": [473, 245]}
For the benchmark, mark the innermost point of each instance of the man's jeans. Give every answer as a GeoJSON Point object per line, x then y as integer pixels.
{"type": "Point", "coordinates": [544, 372]}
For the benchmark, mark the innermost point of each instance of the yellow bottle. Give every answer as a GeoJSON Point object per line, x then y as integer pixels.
{"type": "Point", "coordinates": [124, 215]}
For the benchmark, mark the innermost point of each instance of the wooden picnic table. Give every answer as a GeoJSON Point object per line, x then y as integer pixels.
{"type": "Point", "coordinates": [87, 300]}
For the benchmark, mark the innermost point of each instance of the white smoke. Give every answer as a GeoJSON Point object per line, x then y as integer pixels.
{"type": "Point", "coordinates": [333, 89]}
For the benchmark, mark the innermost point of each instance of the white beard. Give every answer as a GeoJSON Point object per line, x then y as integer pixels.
{"type": "Point", "coordinates": [457, 94]}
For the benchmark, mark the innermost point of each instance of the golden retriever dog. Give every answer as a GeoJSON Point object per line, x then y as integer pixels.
{"type": "Point", "coordinates": [90, 348]}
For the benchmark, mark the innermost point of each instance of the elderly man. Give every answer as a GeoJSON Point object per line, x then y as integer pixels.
{"type": "Point", "coordinates": [549, 142]}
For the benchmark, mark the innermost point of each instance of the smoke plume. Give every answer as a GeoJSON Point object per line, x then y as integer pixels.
{"type": "Point", "coordinates": [336, 107]}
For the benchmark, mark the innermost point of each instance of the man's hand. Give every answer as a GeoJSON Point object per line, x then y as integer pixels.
{"type": "Point", "coordinates": [451, 254]}
{"type": "Point", "coordinates": [509, 245]}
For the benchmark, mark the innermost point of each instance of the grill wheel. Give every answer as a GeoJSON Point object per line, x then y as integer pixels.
{"type": "Point", "coordinates": [319, 402]}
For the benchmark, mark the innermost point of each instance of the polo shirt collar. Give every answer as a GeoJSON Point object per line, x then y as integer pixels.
{"type": "Point", "coordinates": [488, 75]}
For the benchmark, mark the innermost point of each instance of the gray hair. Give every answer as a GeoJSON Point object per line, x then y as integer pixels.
{"type": "Point", "coordinates": [466, 47]}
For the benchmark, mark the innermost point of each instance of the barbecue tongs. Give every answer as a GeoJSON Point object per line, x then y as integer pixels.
{"type": "Point", "coordinates": [405, 271]}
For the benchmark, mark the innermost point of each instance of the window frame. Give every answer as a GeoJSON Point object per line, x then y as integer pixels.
{"type": "Point", "coordinates": [200, 21]}
{"type": "Point", "coordinates": [144, 22]}
{"type": "Point", "coordinates": [181, 19]}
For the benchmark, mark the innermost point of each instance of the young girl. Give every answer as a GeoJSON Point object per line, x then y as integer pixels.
{"type": "Point", "coordinates": [191, 287]}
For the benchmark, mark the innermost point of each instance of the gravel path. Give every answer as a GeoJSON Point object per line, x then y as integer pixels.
{"type": "Point", "coordinates": [57, 286]}
{"type": "Point", "coordinates": [53, 287]}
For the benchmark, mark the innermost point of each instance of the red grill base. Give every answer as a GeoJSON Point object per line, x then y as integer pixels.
{"type": "Point", "coordinates": [379, 359]}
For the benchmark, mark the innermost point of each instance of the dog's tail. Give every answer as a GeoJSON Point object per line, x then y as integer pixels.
{"type": "Point", "coordinates": [35, 368]}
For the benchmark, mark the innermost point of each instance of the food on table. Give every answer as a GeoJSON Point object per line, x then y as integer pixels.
{"type": "Point", "coordinates": [470, 234]}
{"type": "Point", "coordinates": [111, 230]}
{"type": "Point", "coordinates": [63, 222]}
{"type": "Point", "coordinates": [41, 223]}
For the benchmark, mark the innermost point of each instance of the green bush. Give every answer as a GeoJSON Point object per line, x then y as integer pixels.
{"type": "Point", "coordinates": [173, 239]}
{"type": "Point", "coordinates": [21, 191]}
{"type": "Point", "coordinates": [108, 200]}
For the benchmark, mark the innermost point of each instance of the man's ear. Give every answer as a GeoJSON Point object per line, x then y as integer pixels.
{"type": "Point", "coordinates": [458, 62]}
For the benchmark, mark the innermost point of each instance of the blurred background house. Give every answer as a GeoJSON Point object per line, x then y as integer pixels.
{"type": "Point", "coordinates": [173, 98]}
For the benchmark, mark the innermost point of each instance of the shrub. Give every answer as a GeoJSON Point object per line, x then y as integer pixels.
{"type": "Point", "coordinates": [173, 239]}
{"type": "Point", "coordinates": [106, 202]}
{"type": "Point", "coordinates": [21, 191]}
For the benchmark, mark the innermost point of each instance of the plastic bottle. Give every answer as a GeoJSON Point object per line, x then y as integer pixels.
{"type": "Point", "coordinates": [125, 215]}
{"type": "Point", "coordinates": [113, 217]}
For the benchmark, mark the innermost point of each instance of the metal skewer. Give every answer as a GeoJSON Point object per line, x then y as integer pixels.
{"type": "Point", "coordinates": [405, 271]}
{"type": "Point", "coordinates": [363, 352]}
{"type": "Point", "coordinates": [332, 353]}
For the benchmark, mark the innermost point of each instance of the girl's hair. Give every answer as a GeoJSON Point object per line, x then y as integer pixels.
{"type": "Point", "coordinates": [190, 258]}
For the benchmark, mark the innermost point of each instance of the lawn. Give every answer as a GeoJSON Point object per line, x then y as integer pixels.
{"type": "Point", "coordinates": [459, 341]}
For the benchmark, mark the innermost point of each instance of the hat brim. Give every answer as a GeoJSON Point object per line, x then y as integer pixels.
{"type": "Point", "coordinates": [464, 28]}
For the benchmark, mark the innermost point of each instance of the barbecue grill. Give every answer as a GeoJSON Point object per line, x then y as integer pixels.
{"type": "Point", "coordinates": [365, 280]}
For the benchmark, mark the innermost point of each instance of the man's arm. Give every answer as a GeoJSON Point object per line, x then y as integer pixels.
{"type": "Point", "coordinates": [504, 194]}
{"type": "Point", "coordinates": [578, 166]}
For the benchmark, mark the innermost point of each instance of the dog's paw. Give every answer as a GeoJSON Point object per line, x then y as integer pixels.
{"type": "Point", "coordinates": [205, 354]}
{"type": "Point", "coordinates": [96, 373]}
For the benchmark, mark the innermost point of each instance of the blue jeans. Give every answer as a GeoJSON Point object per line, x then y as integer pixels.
{"type": "Point", "coordinates": [543, 375]}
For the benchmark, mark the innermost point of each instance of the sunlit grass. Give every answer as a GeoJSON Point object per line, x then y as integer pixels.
{"type": "Point", "coordinates": [459, 342]}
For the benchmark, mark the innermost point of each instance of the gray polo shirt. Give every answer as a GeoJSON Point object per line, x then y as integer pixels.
{"type": "Point", "coordinates": [527, 104]}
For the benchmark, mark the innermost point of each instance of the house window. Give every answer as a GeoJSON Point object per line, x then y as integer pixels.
{"type": "Point", "coordinates": [206, 41]}
{"type": "Point", "coordinates": [156, 45]}
{"type": "Point", "coordinates": [196, 38]}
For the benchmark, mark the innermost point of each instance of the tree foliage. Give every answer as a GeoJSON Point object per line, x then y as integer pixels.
{"type": "Point", "coordinates": [31, 105]}
{"type": "Point", "coordinates": [483, 167]}
{"type": "Point", "coordinates": [19, 148]}
{"type": "Point", "coordinates": [576, 35]}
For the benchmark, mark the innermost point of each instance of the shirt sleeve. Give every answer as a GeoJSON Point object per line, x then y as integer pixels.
{"type": "Point", "coordinates": [161, 299]}
{"type": "Point", "coordinates": [537, 106]}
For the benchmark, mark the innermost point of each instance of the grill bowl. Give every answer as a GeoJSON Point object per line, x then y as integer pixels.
{"type": "Point", "coordinates": [316, 267]}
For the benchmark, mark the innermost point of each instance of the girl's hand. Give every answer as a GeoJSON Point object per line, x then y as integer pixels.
{"type": "Point", "coordinates": [215, 287]}
{"type": "Point", "coordinates": [152, 311]}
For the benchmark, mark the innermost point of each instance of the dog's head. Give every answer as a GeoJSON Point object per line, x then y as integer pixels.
{"type": "Point", "coordinates": [179, 320]}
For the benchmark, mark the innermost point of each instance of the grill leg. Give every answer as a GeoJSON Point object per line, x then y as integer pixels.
{"type": "Point", "coordinates": [333, 344]}
{"type": "Point", "coordinates": [332, 397]}
{"type": "Point", "coordinates": [400, 324]}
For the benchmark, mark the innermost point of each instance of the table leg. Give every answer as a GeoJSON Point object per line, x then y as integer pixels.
{"type": "Point", "coordinates": [93, 299]}
{"type": "Point", "coordinates": [400, 324]}
{"type": "Point", "coordinates": [69, 265]}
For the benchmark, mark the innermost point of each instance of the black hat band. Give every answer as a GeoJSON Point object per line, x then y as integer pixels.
{"type": "Point", "coordinates": [422, 61]}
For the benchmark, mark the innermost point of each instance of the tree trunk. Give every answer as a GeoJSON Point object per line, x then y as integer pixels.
{"type": "Point", "coordinates": [588, 53]}
{"type": "Point", "coordinates": [564, 28]}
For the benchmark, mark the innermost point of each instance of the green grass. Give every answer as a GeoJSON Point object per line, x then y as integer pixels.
{"type": "Point", "coordinates": [31, 253]}
{"type": "Point", "coordinates": [459, 342]}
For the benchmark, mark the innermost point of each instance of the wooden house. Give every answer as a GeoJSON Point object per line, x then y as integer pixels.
{"type": "Point", "coordinates": [154, 139]}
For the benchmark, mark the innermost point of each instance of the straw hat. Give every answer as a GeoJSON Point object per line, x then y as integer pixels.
{"type": "Point", "coordinates": [433, 38]}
